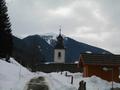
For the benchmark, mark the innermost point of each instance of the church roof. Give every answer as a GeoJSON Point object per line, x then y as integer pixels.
{"type": "Point", "coordinates": [60, 42]}
{"type": "Point", "coordinates": [100, 59]}
{"type": "Point", "coordinates": [60, 37]}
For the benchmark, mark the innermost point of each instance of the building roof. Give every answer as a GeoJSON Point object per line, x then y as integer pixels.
{"type": "Point", "coordinates": [59, 43]}
{"type": "Point", "coordinates": [100, 59]}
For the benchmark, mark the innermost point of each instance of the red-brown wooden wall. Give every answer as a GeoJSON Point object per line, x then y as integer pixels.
{"type": "Point", "coordinates": [89, 70]}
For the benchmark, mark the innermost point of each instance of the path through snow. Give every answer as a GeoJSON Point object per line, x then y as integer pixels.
{"type": "Point", "coordinates": [44, 81]}
{"type": "Point", "coordinates": [57, 84]}
{"type": "Point", "coordinates": [37, 84]}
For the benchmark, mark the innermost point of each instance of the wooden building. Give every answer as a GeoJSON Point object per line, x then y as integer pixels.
{"type": "Point", "coordinates": [105, 66]}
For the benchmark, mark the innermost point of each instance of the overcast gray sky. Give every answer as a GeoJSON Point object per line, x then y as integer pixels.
{"type": "Point", "coordinates": [95, 22]}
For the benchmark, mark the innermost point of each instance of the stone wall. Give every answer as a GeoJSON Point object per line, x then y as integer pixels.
{"type": "Point", "coordinates": [57, 67]}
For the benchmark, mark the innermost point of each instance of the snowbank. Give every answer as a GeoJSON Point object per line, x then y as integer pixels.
{"type": "Point", "coordinates": [92, 83]}
{"type": "Point", "coordinates": [13, 76]}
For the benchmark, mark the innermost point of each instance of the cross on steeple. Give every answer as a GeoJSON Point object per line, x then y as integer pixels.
{"type": "Point", "coordinates": [60, 30]}
{"type": "Point", "coordinates": [59, 49]}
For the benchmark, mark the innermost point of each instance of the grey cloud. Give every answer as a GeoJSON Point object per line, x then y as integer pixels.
{"type": "Point", "coordinates": [101, 17]}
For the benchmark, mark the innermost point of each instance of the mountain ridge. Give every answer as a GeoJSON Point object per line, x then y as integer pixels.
{"type": "Point", "coordinates": [35, 49]}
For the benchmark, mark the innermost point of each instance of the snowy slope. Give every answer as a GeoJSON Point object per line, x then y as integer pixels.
{"type": "Point", "coordinates": [13, 76]}
{"type": "Point", "coordinates": [56, 81]}
{"type": "Point", "coordinates": [73, 47]}
{"type": "Point", "coordinates": [49, 37]}
{"type": "Point", "coordinates": [92, 83]}
{"type": "Point", "coordinates": [41, 47]}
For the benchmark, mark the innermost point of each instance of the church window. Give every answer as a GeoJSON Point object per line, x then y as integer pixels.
{"type": "Point", "coordinates": [59, 54]}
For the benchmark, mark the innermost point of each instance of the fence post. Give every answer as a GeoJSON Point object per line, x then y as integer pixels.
{"type": "Point", "coordinates": [69, 76]}
{"type": "Point", "coordinates": [82, 85]}
{"type": "Point", "coordinates": [71, 79]}
{"type": "Point", "coordinates": [65, 73]}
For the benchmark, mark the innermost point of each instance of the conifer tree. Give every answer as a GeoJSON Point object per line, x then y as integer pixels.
{"type": "Point", "coordinates": [6, 43]}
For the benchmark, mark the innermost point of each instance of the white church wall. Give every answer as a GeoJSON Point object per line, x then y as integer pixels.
{"type": "Point", "coordinates": [59, 55]}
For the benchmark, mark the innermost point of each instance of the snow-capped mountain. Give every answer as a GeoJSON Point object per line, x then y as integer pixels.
{"type": "Point", "coordinates": [41, 49]}
{"type": "Point", "coordinates": [73, 47]}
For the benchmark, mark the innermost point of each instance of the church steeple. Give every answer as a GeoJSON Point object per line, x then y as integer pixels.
{"type": "Point", "coordinates": [59, 49]}
{"type": "Point", "coordinates": [60, 41]}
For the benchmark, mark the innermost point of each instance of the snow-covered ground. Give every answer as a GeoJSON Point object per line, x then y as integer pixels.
{"type": "Point", "coordinates": [13, 76]}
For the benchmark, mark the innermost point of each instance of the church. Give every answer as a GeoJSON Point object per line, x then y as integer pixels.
{"type": "Point", "coordinates": [59, 62]}
{"type": "Point", "coordinates": [59, 50]}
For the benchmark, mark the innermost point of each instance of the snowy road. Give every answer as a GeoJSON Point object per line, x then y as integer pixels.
{"type": "Point", "coordinates": [57, 84]}
{"type": "Point", "coordinates": [37, 84]}
{"type": "Point", "coordinates": [48, 82]}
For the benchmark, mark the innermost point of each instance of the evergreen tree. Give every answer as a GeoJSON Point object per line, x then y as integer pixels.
{"type": "Point", "coordinates": [5, 32]}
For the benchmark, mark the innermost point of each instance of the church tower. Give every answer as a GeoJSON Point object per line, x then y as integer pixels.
{"type": "Point", "coordinates": [59, 50]}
